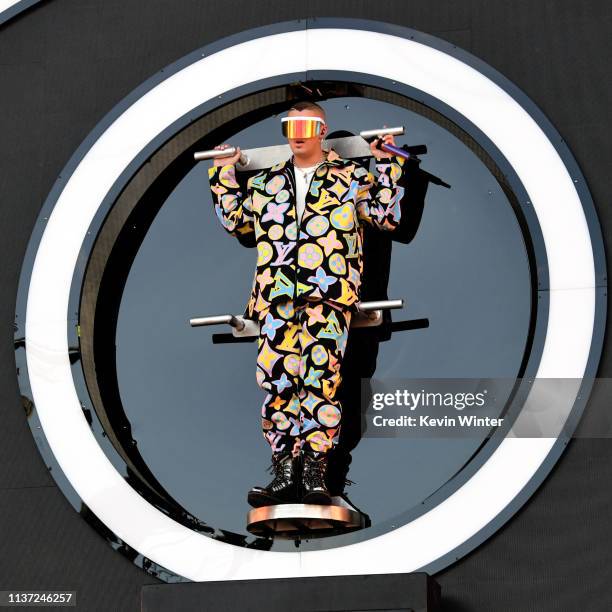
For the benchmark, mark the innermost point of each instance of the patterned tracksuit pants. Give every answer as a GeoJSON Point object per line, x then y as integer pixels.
{"type": "Point", "coordinates": [299, 354]}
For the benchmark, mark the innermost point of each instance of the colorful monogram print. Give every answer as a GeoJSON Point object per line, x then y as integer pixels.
{"type": "Point", "coordinates": [321, 261]}
{"type": "Point", "coordinates": [300, 350]}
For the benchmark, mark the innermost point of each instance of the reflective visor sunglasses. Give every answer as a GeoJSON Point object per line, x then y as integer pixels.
{"type": "Point", "coordinates": [301, 127]}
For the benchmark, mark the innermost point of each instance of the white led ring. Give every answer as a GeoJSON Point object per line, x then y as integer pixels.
{"type": "Point", "coordinates": [455, 83]}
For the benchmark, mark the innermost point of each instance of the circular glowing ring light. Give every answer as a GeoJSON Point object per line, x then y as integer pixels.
{"type": "Point", "coordinates": [570, 348]}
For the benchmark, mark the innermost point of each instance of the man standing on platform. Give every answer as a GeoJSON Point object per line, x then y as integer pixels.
{"type": "Point", "coordinates": [307, 216]}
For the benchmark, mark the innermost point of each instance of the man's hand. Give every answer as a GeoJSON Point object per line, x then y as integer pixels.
{"type": "Point", "coordinates": [223, 161]}
{"type": "Point", "coordinates": [379, 153]}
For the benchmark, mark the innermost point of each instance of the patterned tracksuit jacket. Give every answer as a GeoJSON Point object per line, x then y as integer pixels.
{"type": "Point", "coordinates": [322, 260]}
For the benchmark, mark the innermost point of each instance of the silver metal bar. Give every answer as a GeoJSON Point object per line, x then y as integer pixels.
{"type": "Point", "coordinates": [218, 320]}
{"type": "Point", "coordinates": [218, 153]}
{"type": "Point", "coordinates": [349, 147]}
{"type": "Point", "coordinates": [380, 305]}
{"type": "Point", "coordinates": [369, 315]}
{"type": "Point", "coordinates": [394, 131]}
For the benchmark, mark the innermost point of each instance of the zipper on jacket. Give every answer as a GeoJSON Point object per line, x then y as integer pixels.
{"type": "Point", "coordinates": [298, 222]}
{"type": "Point", "coordinates": [297, 229]}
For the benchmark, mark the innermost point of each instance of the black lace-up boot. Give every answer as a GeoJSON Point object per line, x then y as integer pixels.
{"type": "Point", "coordinates": [282, 489]}
{"type": "Point", "coordinates": [314, 490]}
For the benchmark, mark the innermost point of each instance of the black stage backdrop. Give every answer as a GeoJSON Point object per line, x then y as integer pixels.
{"type": "Point", "coordinates": [65, 63]}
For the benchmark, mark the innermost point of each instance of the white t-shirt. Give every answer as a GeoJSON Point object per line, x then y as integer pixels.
{"type": "Point", "coordinates": [302, 180]}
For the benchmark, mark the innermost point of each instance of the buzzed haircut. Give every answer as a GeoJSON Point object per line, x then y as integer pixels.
{"type": "Point", "coordinates": [308, 105]}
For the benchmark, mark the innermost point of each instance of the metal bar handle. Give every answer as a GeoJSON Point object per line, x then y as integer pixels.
{"type": "Point", "coordinates": [380, 305]}
{"type": "Point", "coordinates": [237, 323]}
{"type": "Point", "coordinates": [394, 131]}
{"type": "Point", "coordinates": [217, 320]}
{"type": "Point", "coordinates": [244, 160]}
{"type": "Point", "coordinates": [216, 153]}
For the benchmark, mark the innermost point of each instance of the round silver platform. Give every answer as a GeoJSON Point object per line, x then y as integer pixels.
{"type": "Point", "coordinates": [303, 520]}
